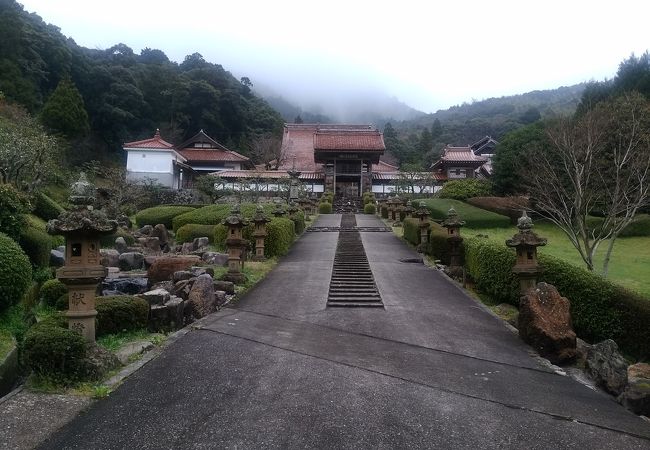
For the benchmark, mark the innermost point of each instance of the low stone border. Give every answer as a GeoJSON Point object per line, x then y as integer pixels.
{"type": "Point", "coordinates": [9, 370]}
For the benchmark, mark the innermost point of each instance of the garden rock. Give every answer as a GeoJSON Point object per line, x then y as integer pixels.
{"type": "Point", "coordinates": [200, 242]}
{"type": "Point", "coordinates": [227, 286]}
{"type": "Point", "coordinates": [607, 367]}
{"type": "Point", "coordinates": [164, 267]}
{"type": "Point", "coordinates": [145, 230]}
{"type": "Point", "coordinates": [123, 221]}
{"type": "Point", "coordinates": [196, 271]}
{"type": "Point", "coordinates": [220, 297]}
{"type": "Point", "coordinates": [181, 275]}
{"type": "Point", "coordinates": [99, 361]}
{"type": "Point", "coordinates": [158, 318]}
{"type": "Point", "coordinates": [636, 396]}
{"type": "Point", "coordinates": [160, 231]}
{"type": "Point", "coordinates": [128, 286]}
{"type": "Point", "coordinates": [187, 248]}
{"type": "Point", "coordinates": [545, 323]}
{"type": "Point", "coordinates": [131, 349]}
{"type": "Point", "coordinates": [151, 245]}
{"type": "Point", "coordinates": [109, 257]}
{"type": "Point", "coordinates": [214, 258]}
{"type": "Point", "coordinates": [175, 312]}
{"type": "Point", "coordinates": [121, 245]}
{"type": "Point", "coordinates": [201, 300]}
{"type": "Point", "coordinates": [156, 296]}
{"type": "Point", "coordinates": [131, 261]}
{"type": "Point", "coordinates": [57, 258]}
{"type": "Point", "coordinates": [182, 288]}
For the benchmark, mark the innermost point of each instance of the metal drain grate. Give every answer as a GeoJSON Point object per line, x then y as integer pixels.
{"type": "Point", "coordinates": [352, 283]}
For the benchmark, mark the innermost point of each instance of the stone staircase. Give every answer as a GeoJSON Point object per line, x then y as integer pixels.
{"type": "Point", "coordinates": [347, 205]}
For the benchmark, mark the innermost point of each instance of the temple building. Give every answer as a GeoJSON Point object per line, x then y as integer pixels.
{"type": "Point", "coordinates": [472, 161]}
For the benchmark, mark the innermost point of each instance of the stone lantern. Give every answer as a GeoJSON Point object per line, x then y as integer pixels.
{"type": "Point", "coordinates": [305, 205]}
{"type": "Point", "coordinates": [82, 227]}
{"type": "Point", "coordinates": [393, 204]}
{"type": "Point", "coordinates": [279, 210]}
{"type": "Point", "coordinates": [236, 245]}
{"type": "Point", "coordinates": [525, 242]}
{"type": "Point", "coordinates": [292, 209]}
{"type": "Point", "coordinates": [293, 179]}
{"type": "Point", "coordinates": [380, 204]}
{"type": "Point", "coordinates": [260, 220]}
{"type": "Point", "coordinates": [408, 210]}
{"type": "Point", "coordinates": [453, 224]}
{"type": "Point", "coordinates": [422, 213]}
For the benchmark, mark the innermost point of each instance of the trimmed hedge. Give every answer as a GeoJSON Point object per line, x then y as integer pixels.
{"type": "Point", "coordinates": [298, 221]}
{"type": "Point", "coordinates": [13, 207]}
{"type": "Point", "coordinates": [37, 245]}
{"type": "Point", "coordinates": [506, 206]}
{"type": "Point", "coordinates": [384, 212]}
{"type": "Point", "coordinates": [191, 231]}
{"type": "Point", "coordinates": [369, 208]}
{"type": "Point", "coordinates": [51, 291]}
{"type": "Point", "coordinates": [121, 312]}
{"type": "Point", "coordinates": [474, 217]}
{"type": "Point", "coordinates": [160, 214]}
{"type": "Point", "coordinates": [599, 309]}
{"type": "Point", "coordinates": [54, 351]}
{"type": "Point", "coordinates": [640, 226]}
{"type": "Point", "coordinates": [46, 208]}
{"type": "Point", "coordinates": [411, 230]}
{"type": "Point", "coordinates": [464, 189]}
{"type": "Point", "coordinates": [214, 214]}
{"type": "Point", "coordinates": [325, 208]}
{"type": "Point", "coordinates": [15, 272]}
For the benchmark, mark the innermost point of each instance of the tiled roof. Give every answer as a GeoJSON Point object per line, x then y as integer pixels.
{"type": "Point", "coordinates": [390, 176]}
{"type": "Point", "coordinates": [484, 145]}
{"type": "Point", "coordinates": [268, 174]}
{"type": "Point", "coordinates": [154, 142]}
{"type": "Point", "coordinates": [197, 155]}
{"type": "Point", "coordinates": [353, 140]}
{"type": "Point", "coordinates": [298, 141]}
{"type": "Point", "coordinates": [383, 166]}
{"type": "Point", "coordinates": [464, 154]}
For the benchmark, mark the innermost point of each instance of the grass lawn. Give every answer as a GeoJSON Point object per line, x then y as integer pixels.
{"type": "Point", "coordinates": [473, 216]}
{"type": "Point", "coordinates": [629, 266]}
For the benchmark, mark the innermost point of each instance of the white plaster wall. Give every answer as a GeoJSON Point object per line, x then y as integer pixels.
{"type": "Point", "coordinates": [149, 161]}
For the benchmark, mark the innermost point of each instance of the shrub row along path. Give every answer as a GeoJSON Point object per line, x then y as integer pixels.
{"type": "Point", "coordinates": [431, 369]}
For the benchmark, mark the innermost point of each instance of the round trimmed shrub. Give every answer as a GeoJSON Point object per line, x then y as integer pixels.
{"type": "Point", "coordinates": [640, 226]}
{"type": "Point", "coordinates": [121, 312]}
{"type": "Point", "coordinates": [15, 272]}
{"type": "Point", "coordinates": [62, 303]}
{"type": "Point", "coordinates": [191, 231]}
{"type": "Point", "coordinates": [298, 221]}
{"type": "Point", "coordinates": [281, 233]}
{"type": "Point", "coordinates": [51, 291]}
{"type": "Point", "coordinates": [369, 208]}
{"type": "Point", "coordinates": [464, 189]}
{"type": "Point", "coordinates": [37, 245]}
{"type": "Point", "coordinates": [160, 214]}
{"type": "Point", "coordinates": [54, 351]}
{"type": "Point", "coordinates": [46, 208]}
{"type": "Point", "coordinates": [325, 208]}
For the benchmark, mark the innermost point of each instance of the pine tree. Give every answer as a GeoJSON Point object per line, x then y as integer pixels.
{"type": "Point", "coordinates": [64, 111]}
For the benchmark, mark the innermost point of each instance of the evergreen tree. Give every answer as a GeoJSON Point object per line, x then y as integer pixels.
{"type": "Point", "coordinates": [436, 130]}
{"type": "Point", "coordinates": [64, 111]}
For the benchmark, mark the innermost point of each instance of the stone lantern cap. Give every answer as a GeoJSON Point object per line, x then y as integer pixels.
{"type": "Point", "coordinates": [293, 208]}
{"type": "Point", "coordinates": [293, 173]}
{"type": "Point", "coordinates": [260, 217]}
{"type": "Point", "coordinates": [409, 207]}
{"type": "Point", "coordinates": [235, 219]}
{"type": "Point", "coordinates": [525, 237]}
{"type": "Point", "coordinates": [452, 220]}
{"type": "Point", "coordinates": [422, 212]}
{"type": "Point", "coordinates": [84, 219]}
{"type": "Point", "coordinates": [279, 211]}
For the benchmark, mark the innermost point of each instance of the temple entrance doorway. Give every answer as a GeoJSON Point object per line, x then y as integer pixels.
{"type": "Point", "coordinates": [346, 188]}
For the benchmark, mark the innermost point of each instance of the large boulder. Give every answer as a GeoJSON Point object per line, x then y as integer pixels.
{"type": "Point", "coordinates": [636, 396]}
{"type": "Point", "coordinates": [160, 231]}
{"type": "Point", "coordinates": [164, 267]}
{"type": "Point", "coordinates": [120, 245]}
{"type": "Point", "coordinates": [131, 261]}
{"type": "Point", "coordinates": [201, 300]}
{"type": "Point", "coordinates": [607, 367]}
{"type": "Point", "coordinates": [200, 243]}
{"type": "Point", "coordinates": [214, 258]}
{"type": "Point", "coordinates": [156, 296]}
{"type": "Point", "coordinates": [545, 323]}
{"type": "Point", "coordinates": [227, 286]}
{"type": "Point", "coordinates": [151, 245]}
{"type": "Point", "coordinates": [127, 286]}
{"type": "Point", "coordinates": [109, 257]}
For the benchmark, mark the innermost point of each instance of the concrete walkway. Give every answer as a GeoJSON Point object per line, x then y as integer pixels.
{"type": "Point", "coordinates": [433, 369]}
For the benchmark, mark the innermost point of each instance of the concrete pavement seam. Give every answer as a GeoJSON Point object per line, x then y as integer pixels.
{"type": "Point", "coordinates": [439, 388]}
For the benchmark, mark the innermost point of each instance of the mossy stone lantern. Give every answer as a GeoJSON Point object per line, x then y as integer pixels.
{"type": "Point", "coordinates": [525, 242]}
{"type": "Point", "coordinates": [279, 210]}
{"type": "Point", "coordinates": [453, 225]}
{"type": "Point", "coordinates": [408, 210]}
{"type": "Point", "coordinates": [292, 209]}
{"type": "Point", "coordinates": [305, 205]}
{"type": "Point", "coordinates": [236, 245]}
{"type": "Point", "coordinates": [82, 227]}
{"type": "Point", "coordinates": [393, 204]}
{"type": "Point", "coordinates": [259, 233]}
{"type": "Point", "coordinates": [422, 214]}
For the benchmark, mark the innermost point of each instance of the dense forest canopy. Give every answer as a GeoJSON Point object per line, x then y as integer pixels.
{"type": "Point", "coordinates": [125, 96]}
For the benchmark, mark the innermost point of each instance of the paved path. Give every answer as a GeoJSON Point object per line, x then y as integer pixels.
{"type": "Point", "coordinates": [433, 369]}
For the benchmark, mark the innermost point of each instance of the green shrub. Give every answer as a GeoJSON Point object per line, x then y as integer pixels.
{"type": "Point", "coordinates": [325, 208]}
{"type": "Point", "coordinates": [51, 291]}
{"type": "Point", "coordinates": [640, 226]}
{"type": "Point", "coordinates": [108, 240]}
{"type": "Point", "coordinates": [46, 208]}
{"type": "Point", "coordinates": [369, 208]}
{"type": "Point", "coordinates": [464, 189]}
{"type": "Point", "coordinates": [160, 214]}
{"type": "Point", "coordinates": [121, 313]}
{"type": "Point", "coordinates": [13, 207]}
{"type": "Point", "coordinates": [299, 222]}
{"type": "Point", "coordinates": [438, 246]}
{"type": "Point", "coordinates": [599, 309]}
{"type": "Point", "coordinates": [15, 272]}
{"type": "Point", "coordinates": [37, 245]}
{"type": "Point", "coordinates": [214, 214]}
{"type": "Point", "coordinates": [412, 231]}
{"type": "Point", "coordinates": [474, 217]}
{"type": "Point", "coordinates": [62, 303]}
{"type": "Point", "coordinates": [55, 352]}
{"type": "Point", "coordinates": [40, 225]}
{"type": "Point", "coordinates": [191, 231]}
{"type": "Point", "coordinates": [384, 212]}
{"type": "Point", "coordinates": [281, 234]}
{"type": "Point", "coordinates": [368, 197]}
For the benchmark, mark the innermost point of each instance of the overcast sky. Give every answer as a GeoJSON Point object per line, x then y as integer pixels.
{"type": "Point", "coordinates": [429, 54]}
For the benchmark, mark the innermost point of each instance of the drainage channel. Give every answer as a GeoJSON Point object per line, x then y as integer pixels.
{"type": "Point", "coordinates": [352, 283]}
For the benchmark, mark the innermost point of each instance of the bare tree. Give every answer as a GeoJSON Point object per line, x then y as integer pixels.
{"type": "Point", "coordinates": [414, 179]}
{"type": "Point", "coordinates": [597, 162]}
{"type": "Point", "coordinates": [268, 149]}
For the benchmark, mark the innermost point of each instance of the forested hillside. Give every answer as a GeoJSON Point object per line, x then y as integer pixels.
{"type": "Point", "coordinates": [420, 141]}
{"type": "Point", "coordinates": [99, 99]}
